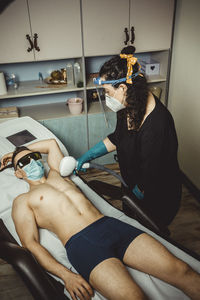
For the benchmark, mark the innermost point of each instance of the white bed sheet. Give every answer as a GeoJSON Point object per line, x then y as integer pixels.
{"type": "Point", "coordinates": [11, 187]}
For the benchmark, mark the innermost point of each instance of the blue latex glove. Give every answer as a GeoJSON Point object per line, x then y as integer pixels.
{"type": "Point", "coordinates": [136, 191]}
{"type": "Point", "coordinates": [94, 152]}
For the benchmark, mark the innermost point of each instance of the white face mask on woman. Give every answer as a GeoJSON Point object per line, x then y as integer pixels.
{"type": "Point", "coordinates": [114, 104]}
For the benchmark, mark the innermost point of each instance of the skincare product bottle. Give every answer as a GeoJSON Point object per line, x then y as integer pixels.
{"type": "Point", "coordinates": [3, 88]}
{"type": "Point", "coordinates": [78, 77]}
{"type": "Point", "coordinates": [70, 74]}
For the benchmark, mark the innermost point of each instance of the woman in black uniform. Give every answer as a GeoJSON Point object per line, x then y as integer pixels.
{"type": "Point", "coordinates": [145, 138]}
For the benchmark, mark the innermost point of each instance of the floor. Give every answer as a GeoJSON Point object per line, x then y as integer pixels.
{"type": "Point", "coordinates": [185, 229]}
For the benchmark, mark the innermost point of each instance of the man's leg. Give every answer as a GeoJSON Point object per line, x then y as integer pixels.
{"type": "Point", "coordinates": [148, 255]}
{"type": "Point", "coordinates": [112, 280]}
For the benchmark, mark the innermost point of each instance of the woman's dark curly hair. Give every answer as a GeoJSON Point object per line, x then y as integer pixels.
{"type": "Point", "coordinates": [137, 92]}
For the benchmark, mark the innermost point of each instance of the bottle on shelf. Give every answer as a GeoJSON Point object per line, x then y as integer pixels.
{"type": "Point", "coordinates": [78, 76]}
{"type": "Point", "coordinates": [70, 74]}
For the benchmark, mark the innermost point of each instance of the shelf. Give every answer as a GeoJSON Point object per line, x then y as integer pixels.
{"type": "Point", "coordinates": [150, 79]}
{"type": "Point", "coordinates": [47, 111]}
{"type": "Point", "coordinates": [57, 110]}
{"type": "Point", "coordinates": [36, 87]}
{"type": "Point", "coordinates": [155, 78]}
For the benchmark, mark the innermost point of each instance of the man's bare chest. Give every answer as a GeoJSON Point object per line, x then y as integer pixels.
{"type": "Point", "coordinates": [42, 196]}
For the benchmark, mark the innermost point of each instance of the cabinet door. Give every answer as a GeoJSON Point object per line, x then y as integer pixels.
{"type": "Point", "coordinates": [72, 133]}
{"type": "Point", "coordinates": [103, 26]}
{"type": "Point", "coordinates": [58, 26]}
{"type": "Point", "coordinates": [14, 26]}
{"type": "Point", "coordinates": [98, 131]}
{"type": "Point", "coordinates": [152, 21]}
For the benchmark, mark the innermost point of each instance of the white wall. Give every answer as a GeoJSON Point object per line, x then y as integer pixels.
{"type": "Point", "coordinates": [184, 92]}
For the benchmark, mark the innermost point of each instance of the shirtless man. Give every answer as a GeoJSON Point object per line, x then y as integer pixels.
{"type": "Point", "coordinates": [58, 205]}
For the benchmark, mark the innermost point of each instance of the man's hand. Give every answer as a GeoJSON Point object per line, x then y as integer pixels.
{"type": "Point", "coordinates": [78, 287]}
{"type": "Point", "coordinates": [6, 159]}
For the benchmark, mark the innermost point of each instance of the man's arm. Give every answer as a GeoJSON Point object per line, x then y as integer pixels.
{"type": "Point", "coordinates": [6, 159]}
{"type": "Point", "coordinates": [51, 148]}
{"type": "Point", "coordinates": [27, 230]}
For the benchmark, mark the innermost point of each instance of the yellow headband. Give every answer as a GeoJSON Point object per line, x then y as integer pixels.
{"type": "Point", "coordinates": [131, 60]}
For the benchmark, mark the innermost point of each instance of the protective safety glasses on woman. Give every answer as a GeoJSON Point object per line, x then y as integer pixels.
{"type": "Point", "coordinates": [99, 81]}
{"type": "Point", "coordinates": [25, 160]}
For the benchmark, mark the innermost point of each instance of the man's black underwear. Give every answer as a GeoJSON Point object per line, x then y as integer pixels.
{"type": "Point", "coordinates": [105, 238]}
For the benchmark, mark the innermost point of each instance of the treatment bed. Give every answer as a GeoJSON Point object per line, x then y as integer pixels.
{"type": "Point", "coordinates": [41, 284]}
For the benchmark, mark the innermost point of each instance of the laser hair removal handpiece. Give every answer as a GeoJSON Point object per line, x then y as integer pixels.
{"type": "Point", "coordinates": [68, 164]}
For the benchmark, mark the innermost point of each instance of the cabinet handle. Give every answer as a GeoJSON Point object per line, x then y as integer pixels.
{"type": "Point", "coordinates": [132, 34]}
{"type": "Point", "coordinates": [35, 42]}
{"type": "Point", "coordinates": [31, 43]}
{"type": "Point", "coordinates": [127, 36]}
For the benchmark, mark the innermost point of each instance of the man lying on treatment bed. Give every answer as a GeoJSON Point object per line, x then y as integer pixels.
{"type": "Point", "coordinates": [97, 246]}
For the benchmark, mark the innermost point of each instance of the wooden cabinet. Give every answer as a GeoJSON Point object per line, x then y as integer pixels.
{"type": "Point", "coordinates": [58, 26]}
{"type": "Point", "coordinates": [104, 23]}
{"type": "Point", "coordinates": [54, 29]}
{"type": "Point", "coordinates": [14, 26]}
{"type": "Point", "coordinates": [152, 22]}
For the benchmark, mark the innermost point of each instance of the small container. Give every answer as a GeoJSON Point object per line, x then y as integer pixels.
{"type": "Point", "coordinates": [78, 77]}
{"type": "Point", "coordinates": [12, 81]}
{"type": "Point", "coordinates": [70, 74]}
{"type": "Point", "coordinates": [150, 67]}
{"type": "Point", "coordinates": [3, 88]}
{"type": "Point", "coordinates": [64, 74]}
{"type": "Point", "coordinates": [75, 105]}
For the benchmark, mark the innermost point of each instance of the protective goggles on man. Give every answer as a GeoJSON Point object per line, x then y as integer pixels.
{"type": "Point", "coordinates": [25, 160]}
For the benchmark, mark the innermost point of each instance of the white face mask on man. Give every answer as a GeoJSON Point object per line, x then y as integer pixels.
{"type": "Point", "coordinates": [114, 104]}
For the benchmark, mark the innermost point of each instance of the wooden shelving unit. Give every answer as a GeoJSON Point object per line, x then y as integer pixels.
{"type": "Point", "coordinates": [36, 87]}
